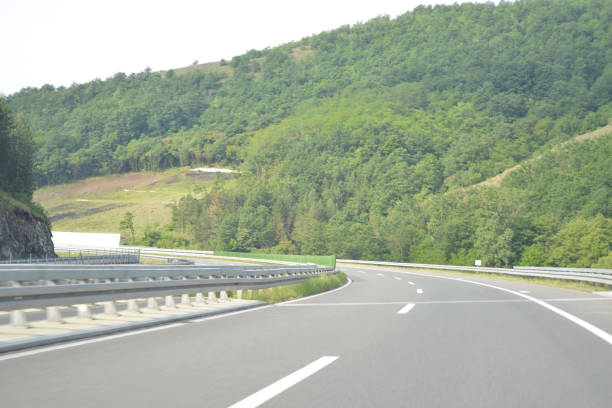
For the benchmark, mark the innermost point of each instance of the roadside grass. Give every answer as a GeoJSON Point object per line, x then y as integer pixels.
{"type": "Point", "coordinates": [312, 286]}
{"type": "Point", "coordinates": [74, 254]}
{"type": "Point", "coordinates": [153, 261]}
{"type": "Point", "coordinates": [554, 282]}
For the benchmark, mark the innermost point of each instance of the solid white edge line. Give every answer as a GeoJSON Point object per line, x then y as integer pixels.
{"type": "Point", "coordinates": [82, 342]}
{"type": "Point", "coordinates": [406, 308]}
{"type": "Point", "coordinates": [272, 390]}
{"type": "Point", "coordinates": [602, 334]}
{"type": "Point", "coordinates": [575, 319]}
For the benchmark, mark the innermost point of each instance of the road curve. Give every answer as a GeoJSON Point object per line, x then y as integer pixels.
{"type": "Point", "coordinates": [391, 338]}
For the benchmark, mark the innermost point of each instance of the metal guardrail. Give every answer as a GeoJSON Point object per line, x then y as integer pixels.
{"type": "Point", "coordinates": [599, 276]}
{"type": "Point", "coordinates": [181, 252]}
{"type": "Point", "coordinates": [593, 271]}
{"type": "Point", "coordinates": [36, 286]}
{"type": "Point", "coordinates": [85, 256]}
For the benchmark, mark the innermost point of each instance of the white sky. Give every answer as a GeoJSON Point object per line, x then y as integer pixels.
{"type": "Point", "coordinates": [65, 41]}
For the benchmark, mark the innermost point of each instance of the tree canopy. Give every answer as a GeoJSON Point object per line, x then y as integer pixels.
{"type": "Point", "coordinates": [16, 155]}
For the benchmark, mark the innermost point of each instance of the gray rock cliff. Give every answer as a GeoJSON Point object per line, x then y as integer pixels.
{"type": "Point", "coordinates": [23, 235]}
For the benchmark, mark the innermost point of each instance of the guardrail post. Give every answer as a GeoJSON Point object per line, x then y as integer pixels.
{"type": "Point", "coordinates": [18, 318]}
{"type": "Point", "coordinates": [211, 295]}
{"type": "Point", "coordinates": [223, 295]}
{"type": "Point", "coordinates": [239, 294]}
{"type": "Point", "coordinates": [152, 304]}
{"type": "Point", "coordinates": [54, 315]}
{"type": "Point", "coordinates": [84, 311]}
{"type": "Point", "coordinates": [132, 306]}
{"type": "Point", "coordinates": [110, 308]}
{"type": "Point", "coordinates": [200, 298]}
{"type": "Point", "coordinates": [169, 302]}
{"type": "Point", "coordinates": [185, 300]}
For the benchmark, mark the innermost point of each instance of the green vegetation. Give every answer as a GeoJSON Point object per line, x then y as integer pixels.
{"type": "Point", "coordinates": [371, 141]}
{"type": "Point", "coordinates": [17, 151]}
{"type": "Point", "coordinates": [319, 260]}
{"type": "Point", "coordinates": [310, 287]}
{"type": "Point", "coordinates": [100, 204]}
{"type": "Point", "coordinates": [153, 261]}
{"type": "Point", "coordinates": [510, 77]}
{"type": "Point", "coordinates": [16, 155]}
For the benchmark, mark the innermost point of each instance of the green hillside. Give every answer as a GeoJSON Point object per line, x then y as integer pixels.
{"type": "Point", "coordinates": [367, 141]}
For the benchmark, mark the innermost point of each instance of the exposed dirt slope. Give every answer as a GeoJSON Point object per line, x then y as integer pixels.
{"type": "Point", "coordinates": [496, 181]}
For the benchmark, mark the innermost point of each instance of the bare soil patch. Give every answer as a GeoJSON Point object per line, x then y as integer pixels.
{"type": "Point", "coordinates": [128, 181]}
{"type": "Point", "coordinates": [496, 180]}
{"type": "Point", "coordinates": [85, 213]}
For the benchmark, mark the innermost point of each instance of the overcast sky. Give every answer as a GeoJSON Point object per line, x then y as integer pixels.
{"type": "Point", "coordinates": [65, 41]}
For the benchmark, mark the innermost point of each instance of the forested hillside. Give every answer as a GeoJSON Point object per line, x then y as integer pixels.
{"type": "Point", "coordinates": [24, 228]}
{"type": "Point", "coordinates": [365, 141]}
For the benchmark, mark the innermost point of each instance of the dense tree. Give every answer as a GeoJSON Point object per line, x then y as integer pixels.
{"type": "Point", "coordinates": [16, 155]}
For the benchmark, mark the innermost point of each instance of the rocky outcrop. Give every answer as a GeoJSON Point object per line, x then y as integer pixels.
{"type": "Point", "coordinates": [23, 235]}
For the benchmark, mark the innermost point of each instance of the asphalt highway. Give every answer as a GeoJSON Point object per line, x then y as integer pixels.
{"type": "Point", "coordinates": [389, 339]}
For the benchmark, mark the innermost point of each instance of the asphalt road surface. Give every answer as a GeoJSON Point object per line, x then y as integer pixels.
{"type": "Point", "coordinates": [389, 339]}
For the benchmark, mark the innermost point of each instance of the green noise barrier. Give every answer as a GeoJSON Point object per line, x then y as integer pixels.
{"type": "Point", "coordinates": [328, 260]}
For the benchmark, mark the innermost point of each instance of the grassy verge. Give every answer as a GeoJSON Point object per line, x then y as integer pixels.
{"type": "Point", "coordinates": [310, 287]}
{"type": "Point", "coordinates": [153, 261]}
{"type": "Point", "coordinates": [554, 282]}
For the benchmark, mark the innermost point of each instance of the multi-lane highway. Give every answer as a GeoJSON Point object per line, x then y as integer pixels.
{"type": "Point", "coordinates": [389, 339]}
